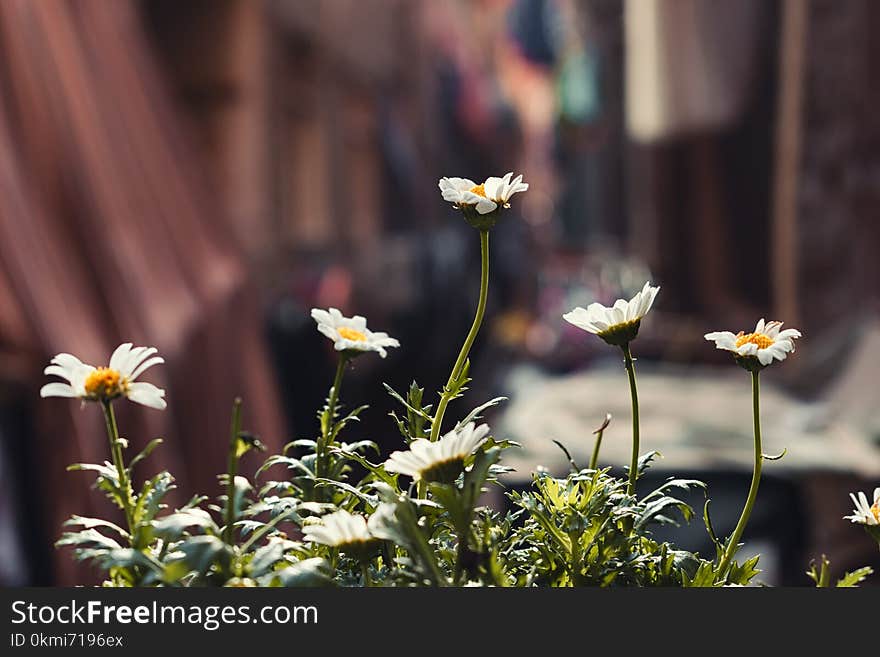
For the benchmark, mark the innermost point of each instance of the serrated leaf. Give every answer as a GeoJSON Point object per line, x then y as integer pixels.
{"type": "Point", "coordinates": [265, 558]}
{"type": "Point", "coordinates": [171, 527]}
{"type": "Point", "coordinates": [150, 499]}
{"type": "Point", "coordinates": [91, 523]}
{"type": "Point", "coordinates": [374, 469]}
{"type": "Point", "coordinates": [299, 442]}
{"type": "Point", "coordinates": [474, 415]}
{"type": "Point", "coordinates": [88, 538]}
{"type": "Point", "coordinates": [127, 558]}
{"type": "Point", "coordinates": [199, 553]}
{"type": "Point", "coordinates": [144, 453]}
{"type": "Point", "coordinates": [288, 461]}
{"type": "Point", "coordinates": [417, 411]}
{"type": "Point", "coordinates": [855, 577]}
{"type": "Point", "coordinates": [306, 573]}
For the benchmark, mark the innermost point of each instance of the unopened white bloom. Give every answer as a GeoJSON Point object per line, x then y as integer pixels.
{"type": "Point", "coordinates": [618, 324]}
{"type": "Point", "coordinates": [441, 460]}
{"type": "Point", "coordinates": [344, 530]}
{"type": "Point", "coordinates": [350, 334]}
{"type": "Point", "coordinates": [119, 379]}
{"type": "Point", "coordinates": [865, 513]}
{"type": "Point", "coordinates": [767, 342]}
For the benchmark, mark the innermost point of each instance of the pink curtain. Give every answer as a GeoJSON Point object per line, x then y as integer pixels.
{"type": "Point", "coordinates": [108, 233]}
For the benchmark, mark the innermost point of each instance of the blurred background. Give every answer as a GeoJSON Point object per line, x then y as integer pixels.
{"type": "Point", "coordinates": [198, 175]}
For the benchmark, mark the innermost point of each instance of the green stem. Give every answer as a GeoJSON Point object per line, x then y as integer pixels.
{"type": "Point", "coordinates": [756, 479]}
{"type": "Point", "coordinates": [450, 390]}
{"type": "Point", "coordinates": [634, 396]}
{"type": "Point", "coordinates": [460, 551]}
{"type": "Point", "coordinates": [327, 418]}
{"type": "Point", "coordinates": [330, 413]}
{"type": "Point", "coordinates": [594, 459]}
{"type": "Point", "coordinates": [232, 470]}
{"type": "Point", "coordinates": [122, 473]}
{"type": "Point", "coordinates": [365, 572]}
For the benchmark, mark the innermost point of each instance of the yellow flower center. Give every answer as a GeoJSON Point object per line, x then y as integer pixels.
{"type": "Point", "coordinates": [875, 509]}
{"type": "Point", "coordinates": [479, 190]}
{"type": "Point", "coordinates": [760, 339]}
{"type": "Point", "coordinates": [105, 383]}
{"type": "Point", "coordinates": [352, 334]}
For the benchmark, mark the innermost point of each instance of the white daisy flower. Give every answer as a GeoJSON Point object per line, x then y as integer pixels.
{"type": "Point", "coordinates": [350, 334]}
{"type": "Point", "coordinates": [758, 349]}
{"type": "Point", "coordinates": [619, 324]}
{"type": "Point", "coordinates": [442, 460]}
{"type": "Point", "coordinates": [479, 202]}
{"type": "Point", "coordinates": [864, 513]}
{"type": "Point", "coordinates": [119, 379]}
{"type": "Point", "coordinates": [345, 531]}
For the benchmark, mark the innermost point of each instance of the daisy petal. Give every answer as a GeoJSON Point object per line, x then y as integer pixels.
{"type": "Point", "coordinates": [147, 394]}
{"type": "Point", "coordinates": [57, 389]}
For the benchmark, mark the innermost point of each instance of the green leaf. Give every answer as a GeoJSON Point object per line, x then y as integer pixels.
{"type": "Point", "coordinates": [128, 558]}
{"type": "Point", "coordinates": [703, 578]}
{"type": "Point", "coordinates": [198, 554]}
{"type": "Point", "coordinates": [339, 425]}
{"type": "Point", "coordinates": [91, 523]}
{"type": "Point", "coordinates": [707, 520]}
{"type": "Point", "coordinates": [357, 493]}
{"type": "Point", "coordinates": [377, 471]}
{"type": "Point", "coordinates": [360, 445]}
{"type": "Point", "coordinates": [291, 463]}
{"type": "Point", "coordinates": [683, 484]}
{"type": "Point", "coordinates": [745, 573]}
{"type": "Point", "coordinates": [105, 469]}
{"type": "Point", "coordinates": [821, 577]}
{"type": "Point", "coordinates": [854, 578]}
{"type": "Point", "coordinates": [144, 453]}
{"type": "Point", "coordinates": [306, 573]}
{"type": "Point", "coordinates": [171, 527]}
{"type": "Point", "coordinates": [402, 527]}
{"type": "Point", "coordinates": [87, 538]}
{"type": "Point", "coordinates": [411, 409]}
{"type": "Point", "coordinates": [574, 466]}
{"type": "Point", "coordinates": [308, 443]}
{"type": "Point", "coordinates": [289, 516]}
{"type": "Point", "coordinates": [475, 414]}
{"type": "Point", "coordinates": [265, 558]}
{"type": "Point", "coordinates": [476, 476]}
{"type": "Point", "coordinates": [652, 510]}
{"type": "Point", "coordinates": [149, 502]}
{"type": "Point", "coordinates": [645, 461]}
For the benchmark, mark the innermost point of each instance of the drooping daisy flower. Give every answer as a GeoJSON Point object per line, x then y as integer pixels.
{"type": "Point", "coordinates": [442, 460]}
{"type": "Point", "coordinates": [480, 202]}
{"type": "Point", "coordinates": [119, 379]}
{"type": "Point", "coordinates": [619, 324]}
{"type": "Point", "coordinates": [756, 350]}
{"type": "Point", "coordinates": [864, 513]}
{"type": "Point", "coordinates": [350, 334]}
{"type": "Point", "coordinates": [349, 532]}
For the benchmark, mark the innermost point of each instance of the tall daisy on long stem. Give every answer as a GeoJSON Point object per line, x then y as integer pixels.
{"type": "Point", "coordinates": [481, 205]}
{"type": "Point", "coordinates": [351, 338]}
{"type": "Point", "coordinates": [105, 385]}
{"type": "Point", "coordinates": [618, 326]}
{"type": "Point", "coordinates": [753, 351]}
